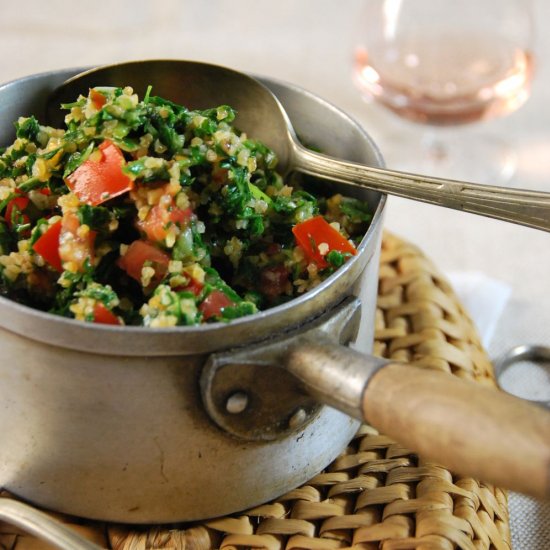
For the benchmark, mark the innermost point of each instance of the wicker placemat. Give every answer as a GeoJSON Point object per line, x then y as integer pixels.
{"type": "Point", "coordinates": [377, 494]}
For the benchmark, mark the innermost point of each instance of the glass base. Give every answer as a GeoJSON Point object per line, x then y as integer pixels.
{"type": "Point", "coordinates": [450, 154]}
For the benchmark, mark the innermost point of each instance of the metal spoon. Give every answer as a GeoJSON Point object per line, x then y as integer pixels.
{"type": "Point", "coordinates": [200, 85]}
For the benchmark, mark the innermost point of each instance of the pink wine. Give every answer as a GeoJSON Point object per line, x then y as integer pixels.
{"type": "Point", "coordinates": [446, 79]}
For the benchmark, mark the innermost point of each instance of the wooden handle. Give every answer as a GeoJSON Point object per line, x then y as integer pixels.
{"type": "Point", "coordinates": [470, 429]}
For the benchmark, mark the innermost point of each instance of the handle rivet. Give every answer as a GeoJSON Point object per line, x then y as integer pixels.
{"type": "Point", "coordinates": [297, 419]}
{"type": "Point", "coordinates": [236, 403]}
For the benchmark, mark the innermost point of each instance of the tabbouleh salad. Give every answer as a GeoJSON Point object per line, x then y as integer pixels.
{"type": "Point", "coordinates": [148, 213]}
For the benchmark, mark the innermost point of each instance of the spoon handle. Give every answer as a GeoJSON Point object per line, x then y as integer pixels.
{"type": "Point", "coordinates": [523, 207]}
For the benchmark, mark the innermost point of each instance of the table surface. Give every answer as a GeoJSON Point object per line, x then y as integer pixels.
{"type": "Point", "coordinates": [310, 43]}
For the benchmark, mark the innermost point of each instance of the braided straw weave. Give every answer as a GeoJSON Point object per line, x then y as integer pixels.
{"type": "Point", "coordinates": [376, 494]}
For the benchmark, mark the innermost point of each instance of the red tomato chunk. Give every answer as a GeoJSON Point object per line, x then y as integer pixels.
{"type": "Point", "coordinates": [96, 181]}
{"type": "Point", "coordinates": [15, 209]}
{"type": "Point", "coordinates": [48, 246]}
{"type": "Point", "coordinates": [138, 253]}
{"type": "Point", "coordinates": [316, 231]}
{"type": "Point", "coordinates": [214, 303]}
{"type": "Point", "coordinates": [105, 316]}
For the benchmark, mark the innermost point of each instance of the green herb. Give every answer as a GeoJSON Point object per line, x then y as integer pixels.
{"type": "Point", "coordinates": [336, 258]}
{"type": "Point", "coordinates": [94, 217]}
{"type": "Point", "coordinates": [148, 170]}
{"type": "Point", "coordinates": [30, 184]}
{"type": "Point", "coordinates": [77, 158]}
{"type": "Point", "coordinates": [27, 128]}
{"type": "Point", "coordinates": [239, 310]}
{"type": "Point", "coordinates": [356, 210]}
{"type": "Point", "coordinates": [257, 193]}
{"type": "Point", "coordinates": [147, 94]}
{"type": "Point", "coordinates": [102, 293]}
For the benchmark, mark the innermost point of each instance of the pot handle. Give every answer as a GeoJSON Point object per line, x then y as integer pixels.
{"type": "Point", "coordinates": [44, 527]}
{"type": "Point", "coordinates": [473, 430]}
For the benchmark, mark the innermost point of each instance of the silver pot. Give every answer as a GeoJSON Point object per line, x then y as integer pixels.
{"type": "Point", "coordinates": [147, 426]}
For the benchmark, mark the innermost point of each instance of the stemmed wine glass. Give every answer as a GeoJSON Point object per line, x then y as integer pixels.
{"type": "Point", "coordinates": [445, 63]}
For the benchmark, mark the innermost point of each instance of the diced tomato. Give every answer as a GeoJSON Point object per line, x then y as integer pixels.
{"type": "Point", "coordinates": [97, 98]}
{"type": "Point", "coordinates": [160, 218]}
{"type": "Point", "coordinates": [194, 286]}
{"type": "Point", "coordinates": [75, 245]}
{"type": "Point", "coordinates": [47, 246]}
{"type": "Point", "coordinates": [274, 280]}
{"type": "Point", "coordinates": [96, 181]}
{"type": "Point", "coordinates": [104, 315]}
{"type": "Point", "coordinates": [312, 233]}
{"type": "Point", "coordinates": [214, 303]}
{"type": "Point", "coordinates": [15, 211]}
{"type": "Point", "coordinates": [179, 216]}
{"type": "Point", "coordinates": [140, 252]}
{"type": "Point", "coordinates": [154, 225]}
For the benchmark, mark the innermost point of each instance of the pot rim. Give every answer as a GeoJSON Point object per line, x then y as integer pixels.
{"type": "Point", "coordinates": [15, 317]}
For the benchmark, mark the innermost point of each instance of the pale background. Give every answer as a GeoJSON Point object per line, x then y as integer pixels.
{"type": "Point", "coordinates": [309, 43]}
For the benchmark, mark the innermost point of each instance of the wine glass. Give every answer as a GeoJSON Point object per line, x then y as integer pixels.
{"type": "Point", "coordinates": [445, 63]}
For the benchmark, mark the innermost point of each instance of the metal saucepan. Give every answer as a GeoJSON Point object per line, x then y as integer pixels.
{"type": "Point", "coordinates": [149, 426]}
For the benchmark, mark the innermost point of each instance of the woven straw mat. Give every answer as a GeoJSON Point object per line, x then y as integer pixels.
{"type": "Point", "coordinates": [376, 494]}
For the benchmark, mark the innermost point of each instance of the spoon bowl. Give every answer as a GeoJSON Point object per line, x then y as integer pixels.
{"type": "Point", "coordinates": [201, 85]}
{"type": "Point", "coordinates": [196, 86]}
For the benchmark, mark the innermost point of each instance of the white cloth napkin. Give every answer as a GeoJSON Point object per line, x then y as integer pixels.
{"type": "Point", "coordinates": [483, 297]}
